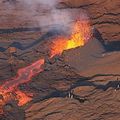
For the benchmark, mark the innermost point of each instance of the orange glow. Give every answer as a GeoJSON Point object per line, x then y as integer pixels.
{"type": "Point", "coordinates": [18, 95]}
{"type": "Point", "coordinates": [8, 89]}
{"type": "Point", "coordinates": [22, 98]}
{"type": "Point", "coordinates": [24, 75]}
{"type": "Point", "coordinates": [5, 98]}
{"type": "Point", "coordinates": [80, 35]}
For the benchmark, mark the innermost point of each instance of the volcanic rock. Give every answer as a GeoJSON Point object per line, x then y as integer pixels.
{"type": "Point", "coordinates": [99, 90]}
{"type": "Point", "coordinates": [12, 112]}
{"type": "Point", "coordinates": [100, 105]}
{"type": "Point", "coordinates": [85, 57]}
{"type": "Point", "coordinates": [82, 83]}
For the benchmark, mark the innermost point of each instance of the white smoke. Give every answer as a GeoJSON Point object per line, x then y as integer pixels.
{"type": "Point", "coordinates": [44, 13]}
{"type": "Point", "coordinates": [50, 3]}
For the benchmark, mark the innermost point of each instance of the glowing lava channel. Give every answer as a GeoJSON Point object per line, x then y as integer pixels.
{"type": "Point", "coordinates": [24, 75]}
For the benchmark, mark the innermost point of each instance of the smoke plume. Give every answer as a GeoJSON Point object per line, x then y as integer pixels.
{"type": "Point", "coordinates": [46, 15]}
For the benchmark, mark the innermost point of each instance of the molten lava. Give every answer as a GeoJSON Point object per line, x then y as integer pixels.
{"type": "Point", "coordinates": [24, 75]}
{"type": "Point", "coordinates": [22, 97]}
{"type": "Point", "coordinates": [9, 90]}
{"type": "Point", "coordinates": [80, 35]}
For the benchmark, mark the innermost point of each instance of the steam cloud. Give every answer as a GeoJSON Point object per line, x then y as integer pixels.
{"type": "Point", "coordinates": [48, 15]}
{"type": "Point", "coordinates": [44, 13]}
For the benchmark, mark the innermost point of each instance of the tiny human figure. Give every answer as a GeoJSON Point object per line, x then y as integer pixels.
{"type": "Point", "coordinates": [70, 94]}
{"type": "Point", "coordinates": [118, 85]}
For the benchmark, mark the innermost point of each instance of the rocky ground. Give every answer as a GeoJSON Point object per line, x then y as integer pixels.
{"type": "Point", "coordinates": [82, 83]}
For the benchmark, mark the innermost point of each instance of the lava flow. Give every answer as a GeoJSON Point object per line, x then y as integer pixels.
{"type": "Point", "coordinates": [9, 90]}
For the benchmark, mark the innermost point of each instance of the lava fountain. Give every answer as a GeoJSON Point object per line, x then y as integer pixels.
{"type": "Point", "coordinates": [81, 33]}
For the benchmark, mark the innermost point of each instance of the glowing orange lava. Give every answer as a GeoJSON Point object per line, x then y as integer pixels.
{"type": "Point", "coordinates": [22, 97]}
{"type": "Point", "coordinates": [24, 75]}
{"type": "Point", "coordinates": [80, 35]}
{"type": "Point", "coordinates": [9, 90]}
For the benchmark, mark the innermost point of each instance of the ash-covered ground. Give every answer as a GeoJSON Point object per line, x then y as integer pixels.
{"type": "Point", "coordinates": [82, 83]}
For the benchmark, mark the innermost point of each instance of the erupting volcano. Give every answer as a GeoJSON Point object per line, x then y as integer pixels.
{"type": "Point", "coordinates": [81, 33]}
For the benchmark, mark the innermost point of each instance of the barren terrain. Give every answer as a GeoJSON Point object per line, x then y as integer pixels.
{"type": "Point", "coordinates": [81, 84]}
